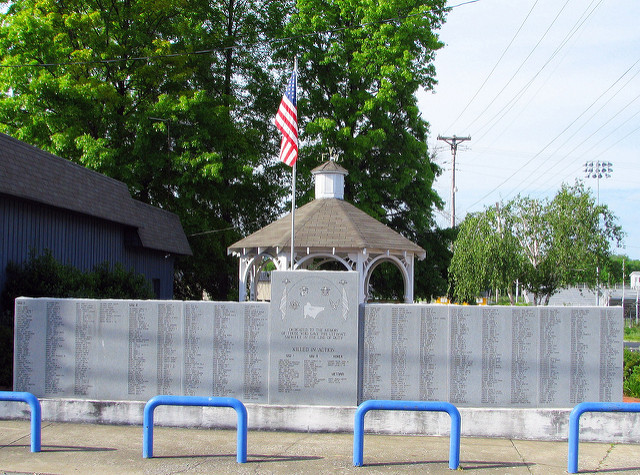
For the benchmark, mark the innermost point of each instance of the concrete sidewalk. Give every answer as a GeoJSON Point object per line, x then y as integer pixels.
{"type": "Point", "coordinates": [89, 448]}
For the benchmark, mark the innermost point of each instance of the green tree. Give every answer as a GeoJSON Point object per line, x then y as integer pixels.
{"type": "Point", "coordinates": [168, 96]}
{"type": "Point", "coordinates": [360, 66]}
{"type": "Point", "coordinates": [486, 255]}
{"type": "Point", "coordinates": [177, 98]}
{"type": "Point", "coordinates": [613, 272]}
{"type": "Point", "coordinates": [546, 245]}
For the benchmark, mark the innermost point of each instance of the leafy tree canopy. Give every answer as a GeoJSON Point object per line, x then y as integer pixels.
{"type": "Point", "coordinates": [613, 273]}
{"type": "Point", "coordinates": [360, 66]}
{"type": "Point", "coordinates": [544, 245]}
{"type": "Point", "coordinates": [158, 94]}
{"type": "Point", "coordinates": [177, 99]}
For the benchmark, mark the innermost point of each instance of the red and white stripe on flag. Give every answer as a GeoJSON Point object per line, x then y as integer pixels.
{"type": "Point", "coordinates": [287, 123]}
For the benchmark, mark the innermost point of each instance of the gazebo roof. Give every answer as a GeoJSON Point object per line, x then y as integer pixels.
{"type": "Point", "coordinates": [329, 166]}
{"type": "Point", "coordinates": [328, 224]}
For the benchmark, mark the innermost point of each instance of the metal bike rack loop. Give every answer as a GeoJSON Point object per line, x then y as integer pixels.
{"type": "Point", "coordinates": [574, 424]}
{"type": "Point", "coordinates": [385, 405]}
{"type": "Point", "coordinates": [36, 414]}
{"type": "Point", "coordinates": [147, 435]}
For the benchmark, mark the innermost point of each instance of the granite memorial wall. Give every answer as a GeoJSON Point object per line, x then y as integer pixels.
{"type": "Point", "coordinates": [313, 345]}
{"type": "Point", "coordinates": [116, 349]}
{"type": "Point", "coordinates": [314, 338]}
{"type": "Point", "coordinates": [492, 355]}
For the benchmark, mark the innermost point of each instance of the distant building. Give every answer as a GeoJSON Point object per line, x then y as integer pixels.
{"type": "Point", "coordinates": [83, 217]}
{"type": "Point", "coordinates": [635, 279]}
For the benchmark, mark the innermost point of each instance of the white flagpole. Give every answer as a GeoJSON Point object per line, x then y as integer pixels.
{"type": "Point", "coordinates": [293, 210]}
{"type": "Point", "coordinates": [293, 176]}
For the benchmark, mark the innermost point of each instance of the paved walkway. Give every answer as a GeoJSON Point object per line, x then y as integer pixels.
{"type": "Point", "coordinates": [87, 448]}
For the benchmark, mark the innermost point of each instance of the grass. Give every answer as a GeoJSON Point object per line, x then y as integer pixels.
{"type": "Point", "coordinates": [632, 333]}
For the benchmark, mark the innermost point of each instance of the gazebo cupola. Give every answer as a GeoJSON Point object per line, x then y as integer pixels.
{"type": "Point", "coordinates": [329, 179]}
{"type": "Point", "coordinates": [328, 229]}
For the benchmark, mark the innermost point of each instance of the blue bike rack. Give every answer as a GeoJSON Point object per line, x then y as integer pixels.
{"type": "Point", "coordinates": [574, 424]}
{"type": "Point", "coordinates": [384, 405]}
{"type": "Point", "coordinates": [36, 414]}
{"type": "Point", "coordinates": [147, 435]}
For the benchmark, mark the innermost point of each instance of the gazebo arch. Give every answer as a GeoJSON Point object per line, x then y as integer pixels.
{"type": "Point", "coordinates": [328, 257]}
{"type": "Point", "coordinates": [403, 267]}
{"type": "Point", "coordinates": [250, 270]}
{"type": "Point", "coordinates": [327, 227]}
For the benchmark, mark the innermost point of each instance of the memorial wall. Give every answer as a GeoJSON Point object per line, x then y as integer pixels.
{"type": "Point", "coordinates": [117, 349]}
{"type": "Point", "coordinates": [314, 338]}
{"type": "Point", "coordinates": [492, 356]}
{"type": "Point", "coordinates": [313, 345]}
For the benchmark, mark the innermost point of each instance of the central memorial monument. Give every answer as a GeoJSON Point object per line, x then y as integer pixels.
{"type": "Point", "coordinates": [313, 341]}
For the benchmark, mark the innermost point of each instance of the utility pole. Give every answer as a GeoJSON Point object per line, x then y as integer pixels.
{"type": "Point", "coordinates": [453, 143]}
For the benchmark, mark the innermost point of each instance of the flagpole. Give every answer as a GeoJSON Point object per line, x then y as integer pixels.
{"type": "Point", "coordinates": [293, 210]}
{"type": "Point", "coordinates": [293, 181]}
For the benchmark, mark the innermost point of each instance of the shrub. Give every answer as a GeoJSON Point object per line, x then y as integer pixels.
{"type": "Point", "coordinates": [631, 374]}
{"type": "Point", "coordinates": [43, 276]}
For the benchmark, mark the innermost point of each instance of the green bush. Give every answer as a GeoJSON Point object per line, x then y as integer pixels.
{"type": "Point", "coordinates": [632, 333]}
{"type": "Point", "coordinates": [631, 374]}
{"type": "Point", "coordinates": [43, 276]}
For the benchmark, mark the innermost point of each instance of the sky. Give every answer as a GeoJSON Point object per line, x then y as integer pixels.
{"type": "Point", "coordinates": [541, 87]}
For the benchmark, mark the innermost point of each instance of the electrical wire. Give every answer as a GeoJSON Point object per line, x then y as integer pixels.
{"type": "Point", "coordinates": [492, 101]}
{"type": "Point", "coordinates": [494, 66]}
{"type": "Point", "coordinates": [550, 142]}
{"type": "Point", "coordinates": [489, 125]}
{"type": "Point", "coordinates": [539, 177]}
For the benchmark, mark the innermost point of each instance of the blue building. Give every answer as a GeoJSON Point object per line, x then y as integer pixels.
{"type": "Point", "coordinates": [83, 217]}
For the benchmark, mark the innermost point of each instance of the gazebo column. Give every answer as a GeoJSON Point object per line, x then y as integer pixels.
{"type": "Point", "coordinates": [360, 259]}
{"type": "Point", "coordinates": [408, 291]}
{"type": "Point", "coordinates": [282, 260]}
{"type": "Point", "coordinates": [243, 275]}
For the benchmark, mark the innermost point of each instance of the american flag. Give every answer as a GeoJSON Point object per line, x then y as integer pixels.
{"type": "Point", "coordinates": [287, 123]}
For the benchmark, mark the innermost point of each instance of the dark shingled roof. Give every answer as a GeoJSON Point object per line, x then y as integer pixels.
{"type": "Point", "coordinates": [32, 174]}
{"type": "Point", "coordinates": [326, 224]}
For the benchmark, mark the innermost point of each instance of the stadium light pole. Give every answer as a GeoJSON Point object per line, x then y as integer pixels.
{"type": "Point", "coordinates": [598, 169]}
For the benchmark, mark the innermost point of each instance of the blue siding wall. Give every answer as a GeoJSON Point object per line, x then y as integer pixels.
{"type": "Point", "coordinates": [78, 240]}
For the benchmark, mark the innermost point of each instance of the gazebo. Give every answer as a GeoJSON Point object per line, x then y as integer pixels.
{"type": "Point", "coordinates": [328, 229]}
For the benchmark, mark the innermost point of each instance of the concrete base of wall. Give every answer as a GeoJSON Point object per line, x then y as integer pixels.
{"type": "Point", "coordinates": [532, 424]}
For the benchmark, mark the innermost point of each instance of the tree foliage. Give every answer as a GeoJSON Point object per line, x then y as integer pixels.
{"type": "Point", "coordinates": [163, 95]}
{"type": "Point", "coordinates": [618, 269]}
{"type": "Point", "coordinates": [360, 66]}
{"type": "Point", "coordinates": [544, 245]}
{"type": "Point", "coordinates": [486, 254]}
{"type": "Point", "coordinates": [177, 99]}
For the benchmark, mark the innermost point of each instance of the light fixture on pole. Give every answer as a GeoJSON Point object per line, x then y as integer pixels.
{"type": "Point", "coordinates": [598, 169]}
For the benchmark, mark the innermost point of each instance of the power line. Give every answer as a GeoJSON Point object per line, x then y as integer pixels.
{"type": "Point", "coordinates": [515, 99]}
{"type": "Point", "coordinates": [519, 67]}
{"type": "Point", "coordinates": [615, 142]}
{"type": "Point", "coordinates": [550, 142]}
{"type": "Point", "coordinates": [572, 123]}
{"type": "Point", "coordinates": [494, 66]}
{"type": "Point", "coordinates": [568, 154]}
